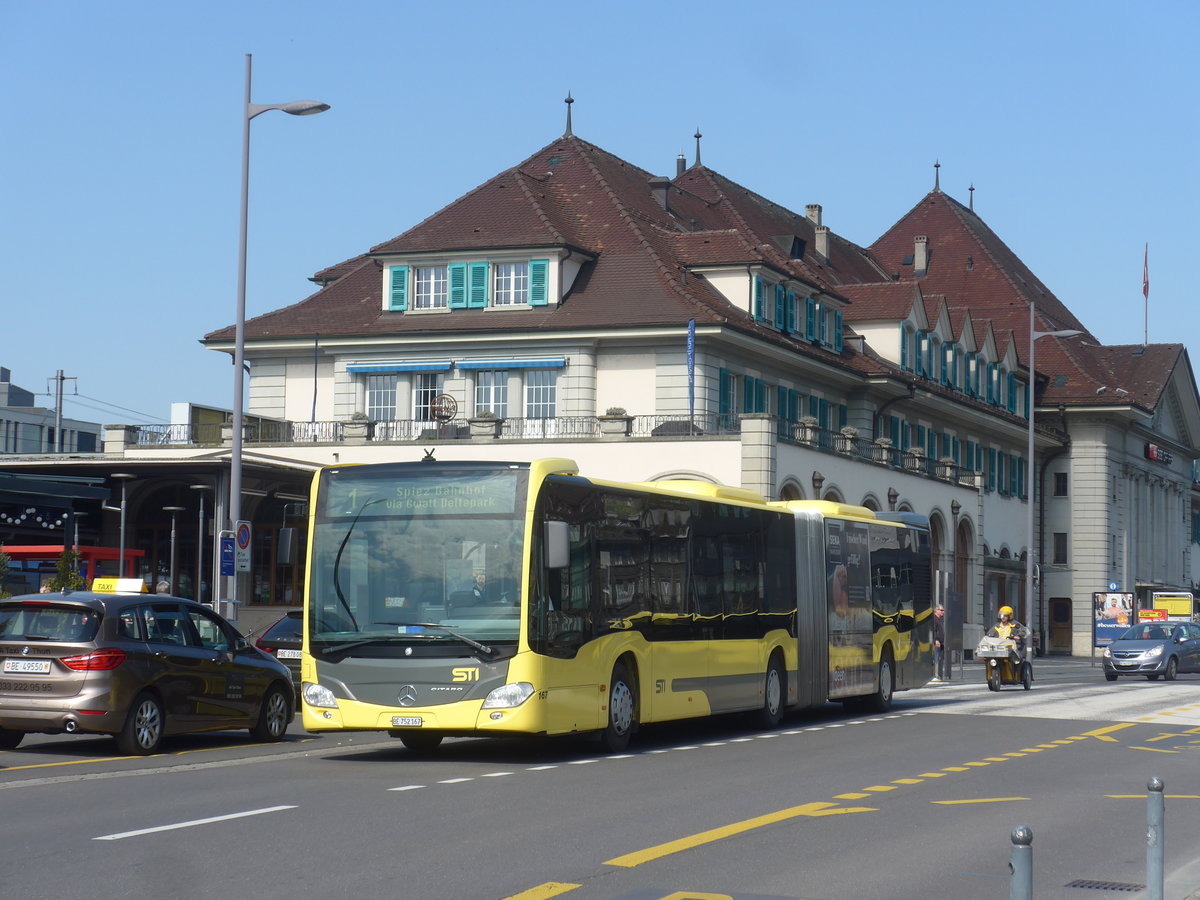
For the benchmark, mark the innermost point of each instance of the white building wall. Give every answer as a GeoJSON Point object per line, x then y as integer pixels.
{"type": "Point", "coordinates": [268, 387]}
{"type": "Point", "coordinates": [626, 377]}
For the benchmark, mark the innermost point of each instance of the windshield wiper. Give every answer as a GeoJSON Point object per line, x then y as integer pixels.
{"type": "Point", "coordinates": [337, 562]}
{"type": "Point", "coordinates": [482, 648]}
{"type": "Point", "coordinates": [350, 645]}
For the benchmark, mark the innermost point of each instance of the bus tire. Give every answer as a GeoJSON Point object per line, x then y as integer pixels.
{"type": "Point", "coordinates": [770, 714]}
{"type": "Point", "coordinates": [622, 710]}
{"type": "Point", "coordinates": [881, 700]}
{"type": "Point", "coordinates": [419, 741]}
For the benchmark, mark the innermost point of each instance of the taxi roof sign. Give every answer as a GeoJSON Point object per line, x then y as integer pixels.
{"type": "Point", "coordinates": [112, 585]}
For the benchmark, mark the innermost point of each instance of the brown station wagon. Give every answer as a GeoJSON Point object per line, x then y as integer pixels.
{"type": "Point", "coordinates": [136, 666]}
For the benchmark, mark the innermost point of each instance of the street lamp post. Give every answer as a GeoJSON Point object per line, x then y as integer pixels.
{"type": "Point", "coordinates": [199, 594]}
{"type": "Point", "coordinates": [1034, 336]}
{"type": "Point", "coordinates": [124, 478]}
{"type": "Point", "coordinates": [250, 110]}
{"type": "Point", "coordinates": [174, 511]}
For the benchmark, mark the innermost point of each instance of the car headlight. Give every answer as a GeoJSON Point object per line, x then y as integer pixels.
{"type": "Point", "coordinates": [1155, 651]}
{"type": "Point", "coordinates": [319, 695]}
{"type": "Point", "coordinates": [509, 695]}
{"type": "Point", "coordinates": [1108, 652]}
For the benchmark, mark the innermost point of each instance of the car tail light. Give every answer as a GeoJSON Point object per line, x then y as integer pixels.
{"type": "Point", "coordinates": [96, 661]}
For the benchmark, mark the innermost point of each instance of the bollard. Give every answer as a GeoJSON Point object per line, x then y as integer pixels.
{"type": "Point", "coordinates": [1021, 864]}
{"type": "Point", "coordinates": [1155, 815]}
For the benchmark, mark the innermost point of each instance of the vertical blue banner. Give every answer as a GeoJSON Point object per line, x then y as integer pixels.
{"type": "Point", "coordinates": [691, 358]}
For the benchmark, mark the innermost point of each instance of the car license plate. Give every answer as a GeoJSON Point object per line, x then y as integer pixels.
{"type": "Point", "coordinates": [28, 666]}
{"type": "Point", "coordinates": [288, 654]}
{"type": "Point", "coordinates": [406, 721]}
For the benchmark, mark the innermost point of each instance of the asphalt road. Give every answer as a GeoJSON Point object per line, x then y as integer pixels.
{"type": "Point", "coordinates": [917, 803]}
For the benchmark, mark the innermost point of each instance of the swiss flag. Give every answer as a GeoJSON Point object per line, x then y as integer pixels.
{"type": "Point", "coordinates": [1146, 273]}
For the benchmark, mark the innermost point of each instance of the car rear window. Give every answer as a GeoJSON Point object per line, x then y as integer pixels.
{"type": "Point", "coordinates": [47, 622]}
{"type": "Point", "coordinates": [289, 628]}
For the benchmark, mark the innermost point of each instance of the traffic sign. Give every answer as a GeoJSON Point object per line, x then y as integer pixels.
{"type": "Point", "coordinates": [1113, 586]}
{"type": "Point", "coordinates": [241, 535]}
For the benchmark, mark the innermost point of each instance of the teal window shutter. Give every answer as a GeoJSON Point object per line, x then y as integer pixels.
{"type": "Point", "coordinates": [841, 415]}
{"type": "Point", "coordinates": [814, 406]}
{"type": "Point", "coordinates": [1012, 392]}
{"type": "Point", "coordinates": [539, 282]}
{"type": "Point", "coordinates": [725, 393]}
{"type": "Point", "coordinates": [894, 430]}
{"type": "Point", "coordinates": [905, 435]}
{"type": "Point", "coordinates": [760, 396]}
{"type": "Point", "coordinates": [457, 275]}
{"type": "Point", "coordinates": [823, 413]}
{"type": "Point", "coordinates": [905, 364]}
{"type": "Point", "coordinates": [780, 307]}
{"type": "Point", "coordinates": [398, 295]}
{"type": "Point", "coordinates": [791, 312]}
{"type": "Point", "coordinates": [477, 288]}
{"type": "Point", "coordinates": [822, 324]}
{"type": "Point", "coordinates": [748, 394]}
{"type": "Point", "coordinates": [837, 331]}
{"type": "Point", "coordinates": [760, 291]}
{"type": "Point", "coordinates": [810, 318]}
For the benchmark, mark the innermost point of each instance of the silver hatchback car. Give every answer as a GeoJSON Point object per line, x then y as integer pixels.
{"type": "Point", "coordinates": [136, 666]}
{"type": "Point", "coordinates": [1153, 649]}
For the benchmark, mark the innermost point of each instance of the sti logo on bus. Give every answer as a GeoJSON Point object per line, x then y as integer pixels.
{"type": "Point", "coordinates": [465, 674]}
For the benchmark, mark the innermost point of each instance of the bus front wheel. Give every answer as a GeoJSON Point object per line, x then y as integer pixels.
{"type": "Point", "coordinates": [881, 700]}
{"type": "Point", "coordinates": [774, 695]}
{"type": "Point", "coordinates": [622, 711]}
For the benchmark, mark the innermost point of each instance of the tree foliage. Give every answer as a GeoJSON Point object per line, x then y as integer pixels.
{"type": "Point", "coordinates": [66, 576]}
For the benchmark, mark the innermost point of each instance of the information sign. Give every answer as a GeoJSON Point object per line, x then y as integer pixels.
{"type": "Point", "coordinates": [226, 553]}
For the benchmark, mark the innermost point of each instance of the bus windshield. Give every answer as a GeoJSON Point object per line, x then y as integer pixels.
{"type": "Point", "coordinates": [417, 554]}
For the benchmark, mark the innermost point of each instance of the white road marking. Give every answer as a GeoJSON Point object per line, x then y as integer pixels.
{"type": "Point", "coordinates": [408, 787]}
{"type": "Point", "coordinates": [191, 824]}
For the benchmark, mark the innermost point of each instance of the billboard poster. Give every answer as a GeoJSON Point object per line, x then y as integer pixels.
{"type": "Point", "coordinates": [1113, 615]}
{"type": "Point", "coordinates": [1178, 604]}
{"type": "Point", "coordinates": [848, 595]}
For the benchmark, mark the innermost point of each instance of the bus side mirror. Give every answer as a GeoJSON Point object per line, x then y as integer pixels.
{"type": "Point", "coordinates": [557, 541]}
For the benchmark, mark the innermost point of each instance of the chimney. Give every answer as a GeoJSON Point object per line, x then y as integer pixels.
{"type": "Point", "coordinates": [920, 255]}
{"type": "Point", "coordinates": [659, 184]}
{"type": "Point", "coordinates": [813, 212]}
{"type": "Point", "coordinates": [822, 238]}
{"type": "Point", "coordinates": [680, 164]}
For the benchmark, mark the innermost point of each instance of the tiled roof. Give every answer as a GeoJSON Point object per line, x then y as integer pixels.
{"type": "Point", "coordinates": [575, 196]}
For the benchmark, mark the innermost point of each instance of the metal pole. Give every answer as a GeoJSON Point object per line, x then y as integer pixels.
{"type": "Point", "coordinates": [1021, 864]}
{"type": "Point", "coordinates": [200, 552]}
{"type": "Point", "coordinates": [1029, 488]}
{"type": "Point", "coordinates": [239, 339]}
{"type": "Point", "coordinates": [58, 416]}
{"type": "Point", "coordinates": [174, 575]}
{"type": "Point", "coordinates": [1155, 816]}
{"type": "Point", "coordinates": [121, 564]}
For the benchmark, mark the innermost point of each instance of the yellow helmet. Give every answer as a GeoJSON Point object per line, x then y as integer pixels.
{"type": "Point", "coordinates": [1006, 611]}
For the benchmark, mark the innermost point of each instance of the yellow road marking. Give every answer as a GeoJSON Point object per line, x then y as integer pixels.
{"type": "Point", "coordinates": [880, 788]}
{"type": "Point", "coordinates": [954, 769]}
{"type": "Point", "coordinates": [907, 781]}
{"type": "Point", "coordinates": [1014, 755]}
{"type": "Point", "coordinates": [1153, 749]}
{"type": "Point", "coordinates": [74, 762]}
{"type": "Point", "coordinates": [851, 796]}
{"type": "Point", "coordinates": [1163, 736]}
{"type": "Point", "coordinates": [933, 774]}
{"type": "Point", "coordinates": [975, 764]}
{"type": "Point", "coordinates": [1101, 733]}
{"type": "Point", "coordinates": [1031, 749]}
{"type": "Point", "coordinates": [995, 759]}
{"type": "Point", "coordinates": [816, 810]}
{"type": "Point", "coordinates": [1048, 746]}
{"type": "Point", "coordinates": [545, 891]}
{"type": "Point", "coordinates": [979, 800]}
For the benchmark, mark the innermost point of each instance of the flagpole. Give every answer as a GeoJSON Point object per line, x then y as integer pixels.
{"type": "Point", "coordinates": [1146, 294]}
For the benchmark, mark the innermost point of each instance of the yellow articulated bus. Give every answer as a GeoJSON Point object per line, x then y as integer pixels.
{"type": "Point", "coordinates": [497, 598]}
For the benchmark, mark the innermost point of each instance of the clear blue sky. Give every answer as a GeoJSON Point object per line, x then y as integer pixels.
{"type": "Point", "coordinates": [1076, 122]}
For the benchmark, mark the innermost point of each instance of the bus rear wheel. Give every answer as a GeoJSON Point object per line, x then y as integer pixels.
{"type": "Point", "coordinates": [622, 711]}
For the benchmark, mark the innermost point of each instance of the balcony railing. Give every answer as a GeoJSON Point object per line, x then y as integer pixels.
{"type": "Point", "coordinates": [677, 427]}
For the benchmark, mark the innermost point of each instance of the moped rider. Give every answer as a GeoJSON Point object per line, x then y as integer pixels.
{"type": "Point", "coordinates": [1008, 628]}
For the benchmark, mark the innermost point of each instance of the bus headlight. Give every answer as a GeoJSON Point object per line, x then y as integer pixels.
{"type": "Point", "coordinates": [508, 695]}
{"type": "Point", "coordinates": [319, 695]}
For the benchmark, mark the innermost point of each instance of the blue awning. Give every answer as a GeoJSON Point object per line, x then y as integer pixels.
{"type": "Point", "coordinates": [520, 362]}
{"type": "Point", "coordinates": [429, 365]}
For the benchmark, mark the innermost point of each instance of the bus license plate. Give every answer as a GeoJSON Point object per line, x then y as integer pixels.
{"type": "Point", "coordinates": [29, 666]}
{"type": "Point", "coordinates": [406, 721]}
